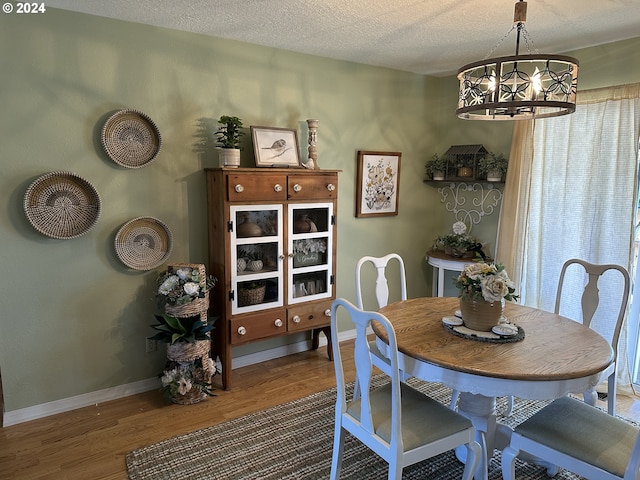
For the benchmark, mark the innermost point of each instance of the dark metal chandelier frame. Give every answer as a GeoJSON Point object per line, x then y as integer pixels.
{"type": "Point", "coordinates": [518, 87]}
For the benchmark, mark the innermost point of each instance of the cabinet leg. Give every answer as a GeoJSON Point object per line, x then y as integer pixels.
{"type": "Point", "coordinates": [316, 340]}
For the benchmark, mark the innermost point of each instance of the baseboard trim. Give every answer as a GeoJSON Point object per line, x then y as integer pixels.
{"type": "Point", "coordinates": [27, 414]}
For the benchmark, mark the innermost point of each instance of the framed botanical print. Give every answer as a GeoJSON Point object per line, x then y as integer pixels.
{"type": "Point", "coordinates": [378, 183]}
{"type": "Point", "coordinates": [275, 147]}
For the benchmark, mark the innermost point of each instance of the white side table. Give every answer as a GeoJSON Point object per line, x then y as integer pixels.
{"type": "Point", "coordinates": [441, 262]}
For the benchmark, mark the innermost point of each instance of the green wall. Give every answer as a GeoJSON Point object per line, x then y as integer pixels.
{"type": "Point", "coordinates": [73, 319]}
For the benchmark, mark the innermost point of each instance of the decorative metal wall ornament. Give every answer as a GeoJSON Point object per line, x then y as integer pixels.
{"type": "Point", "coordinates": [518, 87]}
{"type": "Point", "coordinates": [484, 202]}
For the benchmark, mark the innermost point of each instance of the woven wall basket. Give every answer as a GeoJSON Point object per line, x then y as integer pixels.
{"type": "Point", "coordinates": [131, 139]}
{"type": "Point", "coordinates": [62, 205]}
{"type": "Point", "coordinates": [143, 243]}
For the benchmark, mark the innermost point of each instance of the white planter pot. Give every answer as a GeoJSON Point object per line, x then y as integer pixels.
{"type": "Point", "coordinates": [438, 175]}
{"type": "Point", "coordinates": [494, 176]}
{"type": "Point", "coordinates": [229, 157]}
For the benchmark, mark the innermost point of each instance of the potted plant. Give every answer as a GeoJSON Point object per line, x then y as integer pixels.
{"type": "Point", "coordinates": [436, 167]}
{"type": "Point", "coordinates": [228, 141]}
{"type": "Point", "coordinates": [483, 288]}
{"type": "Point", "coordinates": [494, 166]}
{"type": "Point", "coordinates": [308, 251]}
{"type": "Point", "coordinates": [458, 243]}
{"type": "Point", "coordinates": [186, 377]}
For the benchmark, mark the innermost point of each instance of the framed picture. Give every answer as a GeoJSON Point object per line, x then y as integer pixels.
{"type": "Point", "coordinates": [275, 147]}
{"type": "Point", "coordinates": [378, 187]}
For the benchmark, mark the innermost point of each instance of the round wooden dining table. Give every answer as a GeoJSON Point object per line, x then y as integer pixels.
{"type": "Point", "coordinates": [557, 356]}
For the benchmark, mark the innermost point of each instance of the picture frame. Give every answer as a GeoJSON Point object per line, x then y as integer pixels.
{"type": "Point", "coordinates": [378, 183]}
{"type": "Point", "coordinates": [275, 147]}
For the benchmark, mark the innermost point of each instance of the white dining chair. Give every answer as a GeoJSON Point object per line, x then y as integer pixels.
{"type": "Point", "coordinates": [573, 435]}
{"type": "Point", "coordinates": [590, 300]}
{"type": "Point", "coordinates": [397, 422]}
{"type": "Point", "coordinates": [382, 294]}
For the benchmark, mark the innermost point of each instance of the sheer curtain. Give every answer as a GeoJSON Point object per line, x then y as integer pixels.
{"type": "Point", "coordinates": [573, 194]}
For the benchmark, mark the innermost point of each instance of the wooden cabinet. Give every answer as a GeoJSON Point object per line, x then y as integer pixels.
{"type": "Point", "coordinates": [272, 247]}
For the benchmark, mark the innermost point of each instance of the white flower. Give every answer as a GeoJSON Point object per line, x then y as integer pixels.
{"type": "Point", "coordinates": [168, 377]}
{"type": "Point", "coordinates": [191, 288]}
{"type": "Point", "coordinates": [494, 288]}
{"type": "Point", "coordinates": [168, 285]}
{"type": "Point", "coordinates": [183, 273]}
{"type": "Point", "coordinates": [184, 386]}
{"type": "Point", "coordinates": [459, 228]}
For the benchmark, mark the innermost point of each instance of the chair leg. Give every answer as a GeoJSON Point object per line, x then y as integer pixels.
{"type": "Point", "coordinates": [395, 469]}
{"type": "Point", "coordinates": [454, 399]}
{"type": "Point", "coordinates": [508, 463]}
{"type": "Point", "coordinates": [338, 448]}
{"type": "Point", "coordinates": [611, 394]}
{"type": "Point", "coordinates": [590, 397]}
{"type": "Point", "coordinates": [473, 458]}
{"type": "Point", "coordinates": [509, 410]}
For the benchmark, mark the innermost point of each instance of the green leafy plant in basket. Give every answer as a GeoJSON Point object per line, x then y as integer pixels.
{"type": "Point", "coordinates": [172, 329]}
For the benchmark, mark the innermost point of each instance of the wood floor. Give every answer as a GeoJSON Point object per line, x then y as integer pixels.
{"type": "Point", "coordinates": [91, 443]}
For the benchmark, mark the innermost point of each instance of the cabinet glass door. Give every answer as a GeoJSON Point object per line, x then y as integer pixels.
{"type": "Point", "coordinates": [310, 247]}
{"type": "Point", "coordinates": [257, 253]}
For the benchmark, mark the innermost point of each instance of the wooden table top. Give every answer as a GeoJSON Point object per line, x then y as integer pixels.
{"type": "Point", "coordinates": [554, 347]}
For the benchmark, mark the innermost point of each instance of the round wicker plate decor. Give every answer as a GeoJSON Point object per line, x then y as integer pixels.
{"type": "Point", "coordinates": [62, 205]}
{"type": "Point", "coordinates": [143, 243]}
{"type": "Point", "coordinates": [131, 138]}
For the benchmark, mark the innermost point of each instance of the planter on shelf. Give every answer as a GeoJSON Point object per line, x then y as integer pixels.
{"type": "Point", "coordinates": [438, 175]}
{"type": "Point", "coordinates": [229, 157]}
{"type": "Point", "coordinates": [494, 176]}
{"type": "Point", "coordinates": [255, 265]}
{"type": "Point", "coordinates": [228, 140]}
{"type": "Point", "coordinates": [480, 315]}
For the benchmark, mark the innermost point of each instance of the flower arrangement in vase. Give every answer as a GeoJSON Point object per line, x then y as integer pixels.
{"type": "Point", "coordinates": [459, 243]}
{"type": "Point", "coordinates": [483, 289]}
{"type": "Point", "coordinates": [183, 289]}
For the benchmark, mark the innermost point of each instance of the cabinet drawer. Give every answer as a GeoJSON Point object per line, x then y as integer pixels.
{"type": "Point", "coordinates": [310, 316]}
{"type": "Point", "coordinates": [312, 187]}
{"type": "Point", "coordinates": [245, 188]}
{"type": "Point", "coordinates": [260, 325]}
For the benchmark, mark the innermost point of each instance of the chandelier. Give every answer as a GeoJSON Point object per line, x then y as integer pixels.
{"type": "Point", "coordinates": [518, 87]}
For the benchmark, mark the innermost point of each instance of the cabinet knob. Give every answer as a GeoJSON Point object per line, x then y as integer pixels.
{"type": "Point", "coordinates": [331, 187]}
{"type": "Point", "coordinates": [296, 319]}
{"type": "Point", "coordinates": [277, 187]}
{"type": "Point", "coordinates": [327, 312]}
{"type": "Point", "coordinates": [297, 187]}
{"type": "Point", "coordinates": [290, 255]}
{"type": "Point", "coordinates": [278, 323]}
{"type": "Point", "coordinates": [239, 188]}
{"type": "Point", "coordinates": [242, 331]}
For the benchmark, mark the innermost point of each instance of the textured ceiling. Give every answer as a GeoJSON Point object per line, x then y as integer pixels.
{"type": "Point", "coordinates": [422, 36]}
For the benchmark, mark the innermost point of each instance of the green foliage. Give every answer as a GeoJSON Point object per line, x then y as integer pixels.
{"type": "Point", "coordinates": [436, 164]}
{"type": "Point", "coordinates": [229, 132]}
{"type": "Point", "coordinates": [493, 163]}
{"type": "Point", "coordinates": [172, 329]}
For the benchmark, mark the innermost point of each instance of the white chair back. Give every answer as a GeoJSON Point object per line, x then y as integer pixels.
{"type": "Point", "coordinates": [381, 284]}
{"type": "Point", "coordinates": [590, 301]}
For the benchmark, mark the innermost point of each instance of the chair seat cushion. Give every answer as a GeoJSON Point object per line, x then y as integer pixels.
{"type": "Point", "coordinates": [583, 432]}
{"type": "Point", "coordinates": [423, 419]}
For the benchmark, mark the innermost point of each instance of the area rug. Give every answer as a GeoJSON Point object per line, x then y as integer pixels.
{"type": "Point", "coordinates": [294, 441]}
